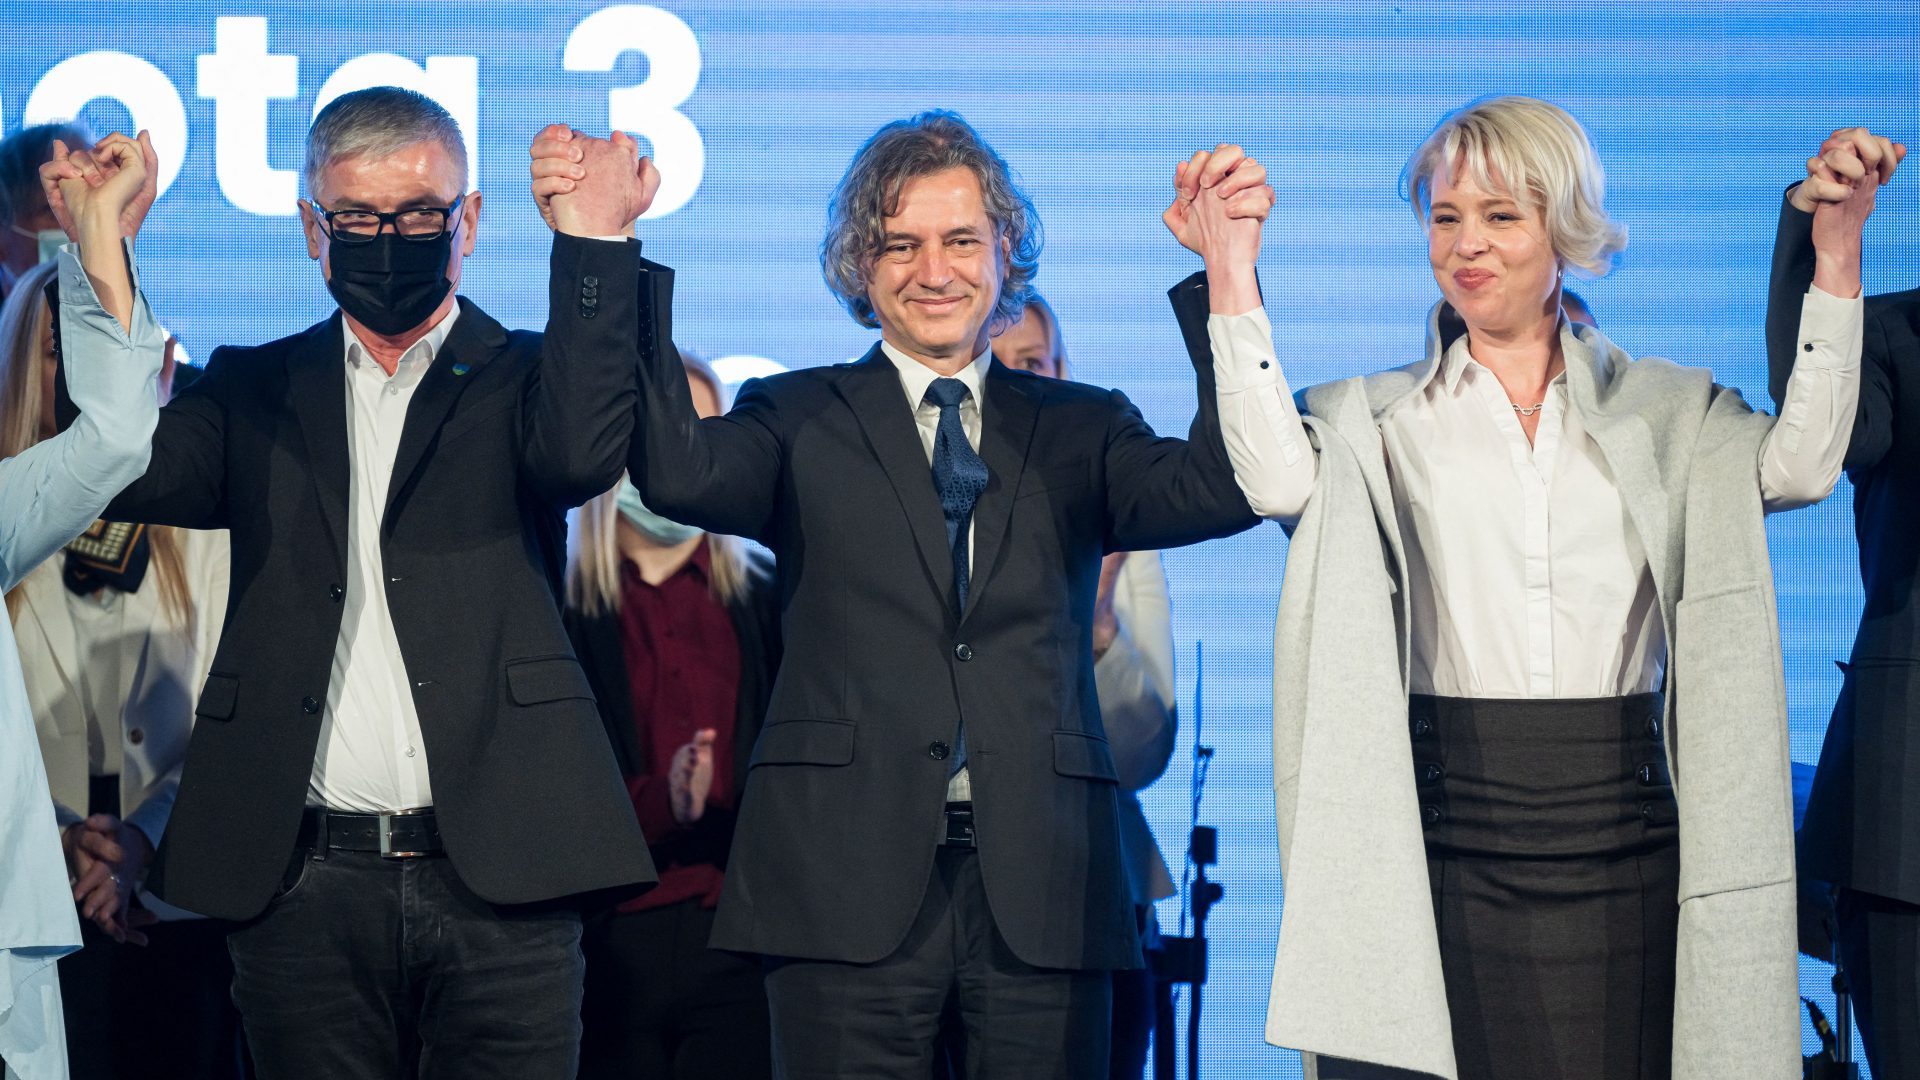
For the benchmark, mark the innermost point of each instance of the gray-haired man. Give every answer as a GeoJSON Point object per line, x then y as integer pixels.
{"type": "Point", "coordinates": [396, 753]}
{"type": "Point", "coordinates": [930, 824]}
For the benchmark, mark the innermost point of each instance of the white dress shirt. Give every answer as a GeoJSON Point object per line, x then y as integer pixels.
{"type": "Point", "coordinates": [915, 377]}
{"type": "Point", "coordinates": [372, 758]}
{"type": "Point", "coordinates": [1134, 680]}
{"type": "Point", "coordinates": [1525, 577]}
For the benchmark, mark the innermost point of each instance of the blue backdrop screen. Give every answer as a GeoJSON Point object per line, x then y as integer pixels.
{"type": "Point", "coordinates": [1703, 112]}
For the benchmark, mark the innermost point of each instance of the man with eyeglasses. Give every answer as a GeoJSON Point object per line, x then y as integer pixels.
{"type": "Point", "coordinates": [396, 756]}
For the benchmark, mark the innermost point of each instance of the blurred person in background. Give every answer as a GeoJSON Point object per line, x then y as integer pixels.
{"type": "Point", "coordinates": [115, 635]}
{"type": "Point", "coordinates": [678, 631]}
{"type": "Point", "coordinates": [1133, 675]}
{"type": "Point", "coordinates": [29, 235]}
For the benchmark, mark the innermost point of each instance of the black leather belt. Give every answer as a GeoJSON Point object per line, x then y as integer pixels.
{"type": "Point", "coordinates": [406, 834]}
{"type": "Point", "coordinates": [959, 825]}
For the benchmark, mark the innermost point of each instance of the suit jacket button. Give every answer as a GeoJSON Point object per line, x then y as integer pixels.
{"type": "Point", "coordinates": [1653, 728]}
{"type": "Point", "coordinates": [590, 281]}
{"type": "Point", "coordinates": [1422, 727]}
{"type": "Point", "coordinates": [938, 751]}
{"type": "Point", "coordinates": [1430, 815]}
{"type": "Point", "coordinates": [309, 705]}
{"type": "Point", "coordinates": [963, 652]}
{"type": "Point", "coordinates": [1430, 773]}
{"type": "Point", "coordinates": [337, 593]}
{"type": "Point", "coordinates": [136, 736]}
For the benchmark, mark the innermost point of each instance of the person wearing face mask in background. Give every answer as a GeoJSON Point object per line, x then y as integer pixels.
{"type": "Point", "coordinates": [395, 754]}
{"type": "Point", "coordinates": [30, 235]}
{"type": "Point", "coordinates": [1133, 676]}
{"type": "Point", "coordinates": [678, 631]}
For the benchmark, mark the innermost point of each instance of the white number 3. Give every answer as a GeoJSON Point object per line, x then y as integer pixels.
{"type": "Point", "coordinates": [652, 108]}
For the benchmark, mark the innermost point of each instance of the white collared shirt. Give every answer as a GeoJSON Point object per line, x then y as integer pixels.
{"type": "Point", "coordinates": [1525, 577]}
{"type": "Point", "coordinates": [915, 377]}
{"type": "Point", "coordinates": [372, 758]}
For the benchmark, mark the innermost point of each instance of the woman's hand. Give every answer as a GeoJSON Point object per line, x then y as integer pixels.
{"type": "Point", "coordinates": [115, 179]}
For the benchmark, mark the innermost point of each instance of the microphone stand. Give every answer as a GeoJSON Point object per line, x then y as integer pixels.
{"type": "Point", "coordinates": [1183, 960]}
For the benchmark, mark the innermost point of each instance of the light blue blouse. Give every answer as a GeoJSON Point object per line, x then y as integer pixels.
{"type": "Point", "coordinates": [48, 494]}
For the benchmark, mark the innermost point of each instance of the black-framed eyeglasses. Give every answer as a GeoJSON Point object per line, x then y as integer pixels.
{"type": "Point", "coordinates": [363, 226]}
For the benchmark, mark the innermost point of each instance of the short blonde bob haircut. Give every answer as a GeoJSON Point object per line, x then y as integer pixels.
{"type": "Point", "coordinates": [1542, 156]}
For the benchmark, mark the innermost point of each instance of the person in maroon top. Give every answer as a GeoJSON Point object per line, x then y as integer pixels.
{"type": "Point", "coordinates": [678, 634]}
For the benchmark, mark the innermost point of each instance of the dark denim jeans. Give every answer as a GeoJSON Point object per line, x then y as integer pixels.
{"type": "Point", "coordinates": [366, 968]}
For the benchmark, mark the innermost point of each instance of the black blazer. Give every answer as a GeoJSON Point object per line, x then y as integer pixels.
{"type": "Point", "coordinates": [846, 787]}
{"type": "Point", "coordinates": [1862, 827]}
{"type": "Point", "coordinates": [506, 430]}
{"type": "Point", "coordinates": [756, 626]}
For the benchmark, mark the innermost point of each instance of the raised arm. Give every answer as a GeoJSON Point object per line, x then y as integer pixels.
{"type": "Point", "coordinates": [110, 353]}
{"type": "Point", "coordinates": [719, 473]}
{"type": "Point", "coordinates": [1273, 463]}
{"type": "Point", "coordinates": [184, 479]}
{"type": "Point", "coordinates": [1164, 492]}
{"type": "Point", "coordinates": [579, 414]}
{"type": "Point", "coordinates": [1802, 456]}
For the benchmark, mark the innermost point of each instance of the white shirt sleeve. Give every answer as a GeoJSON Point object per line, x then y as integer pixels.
{"type": "Point", "coordinates": [1272, 459]}
{"type": "Point", "coordinates": [1801, 458]}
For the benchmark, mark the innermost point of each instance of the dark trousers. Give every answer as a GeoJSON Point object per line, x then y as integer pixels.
{"type": "Point", "coordinates": [1879, 945]}
{"type": "Point", "coordinates": [1132, 1023]}
{"type": "Point", "coordinates": [882, 1021]}
{"type": "Point", "coordinates": [155, 1011]}
{"type": "Point", "coordinates": [660, 1005]}
{"type": "Point", "coordinates": [367, 968]}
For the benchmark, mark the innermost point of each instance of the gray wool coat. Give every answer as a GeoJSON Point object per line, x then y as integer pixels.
{"type": "Point", "coordinates": [1357, 982]}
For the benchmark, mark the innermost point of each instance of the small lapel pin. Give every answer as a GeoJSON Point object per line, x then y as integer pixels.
{"type": "Point", "coordinates": [461, 369]}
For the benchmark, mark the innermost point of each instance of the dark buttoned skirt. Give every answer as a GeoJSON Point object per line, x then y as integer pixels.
{"type": "Point", "coordinates": [1553, 855]}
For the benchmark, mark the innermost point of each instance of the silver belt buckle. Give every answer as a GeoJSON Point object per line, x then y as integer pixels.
{"type": "Point", "coordinates": [387, 850]}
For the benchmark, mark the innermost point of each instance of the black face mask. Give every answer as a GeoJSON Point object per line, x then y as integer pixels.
{"type": "Point", "coordinates": [389, 284]}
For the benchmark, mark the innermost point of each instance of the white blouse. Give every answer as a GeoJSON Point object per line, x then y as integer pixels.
{"type": "Point", "coordinates": [1525, 577]}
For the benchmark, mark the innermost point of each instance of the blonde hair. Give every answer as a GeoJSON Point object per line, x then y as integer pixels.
{"type": "Point", "coordinates": [593, 545]}
{"type": "Point", "coordinates": [1055, 340]}
{"type": "Point", "coordinates": [1542, 156]}
{"type": "Point", "coordinates": [25, 320]}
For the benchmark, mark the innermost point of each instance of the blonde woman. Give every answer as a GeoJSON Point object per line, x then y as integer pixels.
{"type": "Point", "coordinates": [115, 634]}
{"type": "Point", "coordinates": [678, 631]}
{"type": "Point", "coordinates": [1530, 743]}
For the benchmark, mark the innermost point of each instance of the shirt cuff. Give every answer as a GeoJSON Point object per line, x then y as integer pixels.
{"type": "Point", "coordinates": [1831, 329]}
{"type": "Point", "coordinates": [1243, 357]}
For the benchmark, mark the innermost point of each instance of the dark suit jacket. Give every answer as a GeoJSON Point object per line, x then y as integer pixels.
{"type": "Point", "coordinates": [1862, 827]}
{"type": "Point", "coordinates": [844, 804]}
{"type": "Point", "coordinates": [504, 433]}
{"type": "Point", "coordinates": [756, 626]}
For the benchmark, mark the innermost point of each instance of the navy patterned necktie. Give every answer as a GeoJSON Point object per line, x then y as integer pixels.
{"type": "Point", "coordinates": [959, 476]}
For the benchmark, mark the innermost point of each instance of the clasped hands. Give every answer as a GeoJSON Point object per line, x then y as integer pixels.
{"type": "Point", "coordinates": [106, 858]}
{"type": "Point", "coordinates": [1842, 182]}
{"type": "Point", "coordinates": [587, 186]}
{"type": "Point", "coordinates": [108, 186]}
